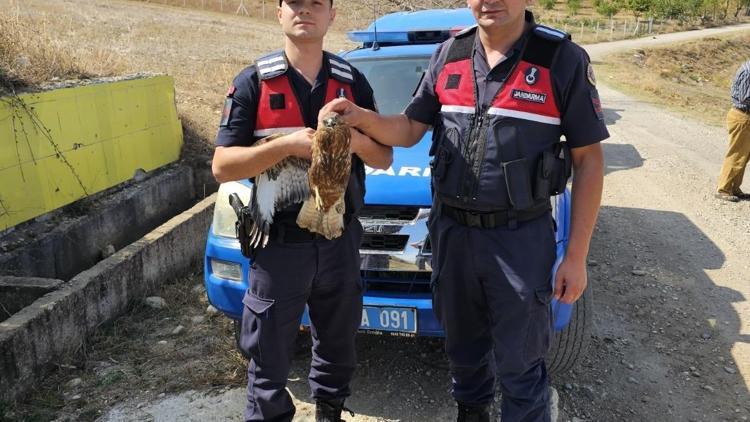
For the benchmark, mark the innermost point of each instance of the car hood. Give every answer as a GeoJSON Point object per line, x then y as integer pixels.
{"type": "Point", "coordinates": [406, 182]}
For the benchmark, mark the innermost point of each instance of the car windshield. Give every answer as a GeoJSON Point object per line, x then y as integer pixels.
{"type": "Point", "coordinates": [393, 80]}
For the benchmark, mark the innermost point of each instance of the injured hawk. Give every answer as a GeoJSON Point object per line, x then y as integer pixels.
{"type": "Point", "coordinates": [320, 184]}
{"type": "Point", "coordinates": [323, 211]}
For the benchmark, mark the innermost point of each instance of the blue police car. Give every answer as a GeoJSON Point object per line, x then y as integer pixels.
{"type": "Point", "coordinates": [396, 255]}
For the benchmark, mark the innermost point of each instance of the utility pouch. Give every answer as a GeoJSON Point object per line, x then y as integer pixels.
{"type": "Point", "coordinates": [243, 225]}
{"type": "Point", "coordinates": [562, 167]}
{"type": "Point", "coordinates": [553, 171]}
{"type": "Point", "coordinates": [518, 184]}
{"type": "Point", "coordinates": [544, 171]}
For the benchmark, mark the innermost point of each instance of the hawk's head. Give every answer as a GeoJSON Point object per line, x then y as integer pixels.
{"type": "Point", "coordinates": [332, 120]}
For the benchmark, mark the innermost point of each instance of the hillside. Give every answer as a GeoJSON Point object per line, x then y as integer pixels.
{"type": "Point", "coordinates": [44, 41]}
{"type": "Point", "coordinates": [692, 77]}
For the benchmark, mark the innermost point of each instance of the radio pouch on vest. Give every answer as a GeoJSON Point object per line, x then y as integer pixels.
{"type": "Point", "coordinates": [553, 170]}
{"type": "Point", "coordinates": [518, 184]}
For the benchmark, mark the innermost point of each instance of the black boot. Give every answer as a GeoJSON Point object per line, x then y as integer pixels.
{"type": "Point", "coordinates": [330, 411]}
{"type": "Point", "coordinates": [473, 413]}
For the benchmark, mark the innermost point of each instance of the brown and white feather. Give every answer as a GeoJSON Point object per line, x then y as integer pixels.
{"type": "Point", "coordinates": [329, 173]}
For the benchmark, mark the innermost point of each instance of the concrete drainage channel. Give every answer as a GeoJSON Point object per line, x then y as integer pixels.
{"type": "Point", "coordinates": [61, 277]}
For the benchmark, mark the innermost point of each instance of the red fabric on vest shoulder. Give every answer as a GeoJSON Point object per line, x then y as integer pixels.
{"type": "Point", "coordinates": [288, 117]}
{"type": "Point", "coordinates": [335, 88]}
{"type": "Point", "coordinates": [529, 90]}
{"type": "Point", "coordinates": [455, 84]}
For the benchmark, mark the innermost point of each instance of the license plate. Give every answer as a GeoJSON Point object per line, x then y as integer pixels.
{"type": "Point", "coordinates": [391, 320]}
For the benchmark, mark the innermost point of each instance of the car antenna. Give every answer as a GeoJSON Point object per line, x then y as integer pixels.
{"type": "Point", "coordinates": [375, 46]}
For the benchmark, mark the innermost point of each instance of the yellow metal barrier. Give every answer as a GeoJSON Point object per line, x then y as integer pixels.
{"type": "Point", "coordinates": [59, 146]}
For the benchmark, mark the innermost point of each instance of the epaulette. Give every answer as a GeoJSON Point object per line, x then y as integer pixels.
{"type": "Point", "coordinates": [272, 65]}
{"type": "Point", "coordinates": [550, 34]}
{"type": "Point", "coordinates": [340, 69]}
{"type": "Point", "coordinates": [465, 31]}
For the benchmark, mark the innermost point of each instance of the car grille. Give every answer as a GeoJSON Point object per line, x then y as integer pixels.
{"type": "Point", "coordinates": [391, 214]}
{"type": "Point", "coordinates": [384, 242]}
{"type": "Point", "coordinates": [397, 281]}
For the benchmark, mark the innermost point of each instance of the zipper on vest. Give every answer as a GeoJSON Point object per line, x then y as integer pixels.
{"type": "Point", "coordinates": [481, 139]}
{"type": "Point", "coordinates": [478, 156]}
{"type": "Point", "coordinates": [461, 193]}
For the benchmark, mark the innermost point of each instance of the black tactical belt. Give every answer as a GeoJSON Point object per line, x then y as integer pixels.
{"type": "Point", "coordinates": [286, 229]}
{"type": "Point", "coordinates": [491, 220]}
{"type": "Point", "coordinates": [291, 233]}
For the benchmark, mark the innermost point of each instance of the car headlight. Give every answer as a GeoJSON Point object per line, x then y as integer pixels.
{"type": "Point", "coordinates": [226, 270]}
{"type": "Point", "coordinates": [224, 216]}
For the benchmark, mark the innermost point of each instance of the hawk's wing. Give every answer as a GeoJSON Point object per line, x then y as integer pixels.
{"type": "Point", "coordinates": [279, 187]}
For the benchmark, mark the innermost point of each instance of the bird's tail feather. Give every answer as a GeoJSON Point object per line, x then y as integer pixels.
{"type": "Point", "coordinates": [329, 224]}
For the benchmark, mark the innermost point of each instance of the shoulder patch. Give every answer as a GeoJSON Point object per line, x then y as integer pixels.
{"type": "Point", "coordinates": [272, 65]}
{"type": "Point", "coordinates": [465, 31]}
{"type": "Point", "coordinates": [597, 104]}
{"type": "Point", "coordinates": [550, 34]}
{"type": "Point", "coordinates": [340, 69]}
{"type": "Point", "coordinates": [590, 74]}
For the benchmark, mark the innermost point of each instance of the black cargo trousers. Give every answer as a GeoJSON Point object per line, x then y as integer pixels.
{"type": "Point", "coordinates": [286, 275]}
{"type": "Point", "coordinates": [491, 292]}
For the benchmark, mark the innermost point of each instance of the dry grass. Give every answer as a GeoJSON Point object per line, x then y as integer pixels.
{"type": "Point", "coordinates": [125, 360]}
{"type": "Point", "coordinates": [32, 53]}
{"type": "Point", "coordinates": [351, 14]}
{"type": "Point", "coordinates": [692, 77]}
{"type": "Point", "coordinates": [586, 26]}
{"type": "Point", "coordinates": [202, 49]}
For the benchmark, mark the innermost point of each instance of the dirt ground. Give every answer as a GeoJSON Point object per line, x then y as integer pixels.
{"type": "Point", "coordinates": [668, 265]}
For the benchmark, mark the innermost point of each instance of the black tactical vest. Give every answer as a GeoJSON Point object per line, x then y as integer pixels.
{"type": "Point", "coordinates": [488, 158]}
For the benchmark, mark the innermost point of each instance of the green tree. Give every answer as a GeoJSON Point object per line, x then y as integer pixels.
{"type": "Point", "coordinates": [670, 9]}
{"type": "Point", "coordinates": [608, 8]}
{"type": "Point", "coordinates": [742, 4]}
{"type": "Point", "coordinates": [575, 5]}
{"type": "Point", "coordinates": [639, 7]}
{"type": "Point", "coordinates": [548, 4]}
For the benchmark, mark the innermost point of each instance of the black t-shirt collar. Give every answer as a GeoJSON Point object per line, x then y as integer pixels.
{"type": "Point", "coordinates": [300, 81]}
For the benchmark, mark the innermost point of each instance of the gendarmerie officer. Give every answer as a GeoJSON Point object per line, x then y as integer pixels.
{"type": "Point", "coordinates": [499, 97]}
{"type": "Point", "coordinates": [282, 94]}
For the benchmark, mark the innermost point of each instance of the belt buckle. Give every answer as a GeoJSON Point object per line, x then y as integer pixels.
{"type": "Point", "coordinates": [473, 219]}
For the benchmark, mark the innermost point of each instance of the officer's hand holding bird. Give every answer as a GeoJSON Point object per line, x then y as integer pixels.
{"type": "Point", "coordinates": [350, 113]}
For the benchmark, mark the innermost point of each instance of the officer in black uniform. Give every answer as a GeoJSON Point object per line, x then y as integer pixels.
{"type": "Point", "coordinates": [499, 97]}
{"type": "Point", "coordinates": [282, 94]}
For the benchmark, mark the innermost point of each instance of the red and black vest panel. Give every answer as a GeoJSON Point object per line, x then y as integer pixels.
{"type": "Point", "coordinates": [278, 109]}
{"type": "Point", "coordinates": [481, 152]}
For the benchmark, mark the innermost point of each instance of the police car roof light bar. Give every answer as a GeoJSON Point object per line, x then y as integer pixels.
{"type": "Point", "coordinates": [380, 38]}
{"type": "Point", "coordinates": [409, 28]}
